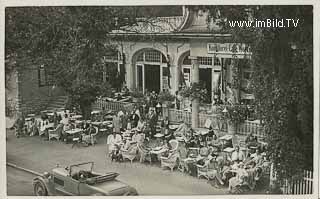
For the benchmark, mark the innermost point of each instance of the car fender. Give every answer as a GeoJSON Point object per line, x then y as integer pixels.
{"type": "Point", "coordinates": [46, 183]}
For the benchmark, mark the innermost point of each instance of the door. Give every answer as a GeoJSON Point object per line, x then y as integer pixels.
{"type": "Point", "coordinates": [205, 77]}
{"type": "Point", "coordinates": [152, 77]}
{"type": "Point", "coordinates": [65, 185]}
{"type": "Point", "coordinates": [139, 77]}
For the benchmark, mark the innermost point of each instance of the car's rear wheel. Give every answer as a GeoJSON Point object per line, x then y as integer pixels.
{"type": "Point", "coordinates": [40, 189]}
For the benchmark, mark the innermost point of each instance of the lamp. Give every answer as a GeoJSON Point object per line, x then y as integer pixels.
{"type": "Point", "coordinates": [225, 110]}
{"type": "Point", "coordinates": [158, 108]}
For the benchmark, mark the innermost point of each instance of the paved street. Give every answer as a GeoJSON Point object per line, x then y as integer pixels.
{"type": "Point", "coordinates": [19, 183]}
{"type": "Point", "coordinates": [39, 155]}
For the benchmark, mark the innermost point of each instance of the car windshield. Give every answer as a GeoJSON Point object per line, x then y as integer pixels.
{"type": "Point", "coordinates": [88, 166]}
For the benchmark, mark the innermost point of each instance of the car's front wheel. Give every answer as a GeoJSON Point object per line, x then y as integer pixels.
{"type": "Point", "coordinates": [39, 189]}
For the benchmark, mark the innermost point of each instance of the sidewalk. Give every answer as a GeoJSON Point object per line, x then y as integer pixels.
{"type": "Point", "coordinates": [39, 155]}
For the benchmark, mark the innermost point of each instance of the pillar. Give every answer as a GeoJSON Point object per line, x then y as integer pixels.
{"type": "Point", "coordinates": [129, 76]}
{"type": "Point", "coordinates": [195, 102]}
{"type": "Point", "coordinates": [176, 78]}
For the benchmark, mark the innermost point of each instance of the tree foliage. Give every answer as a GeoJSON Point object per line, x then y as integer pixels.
{"type": "Point", "coordinates": [69, 41]}
{"type": "Point", "coordinates": [282, 80]}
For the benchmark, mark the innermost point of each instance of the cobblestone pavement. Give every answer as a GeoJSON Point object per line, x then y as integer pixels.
{"type": "Point", "coordinates": [37, 154]}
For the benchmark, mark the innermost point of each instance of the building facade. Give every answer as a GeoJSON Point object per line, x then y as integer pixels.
{"type": "Point", "coordinates": [164, 58]}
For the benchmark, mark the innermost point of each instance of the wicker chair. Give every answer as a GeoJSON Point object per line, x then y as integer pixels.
{"type": "Point", "coordinates": [94, 136]}
{"type": "Point", "coordinates": [144, 153]}
{"type": "Point", "coordinates": [172, 160]}
{"type": "Point", "coordinates": [56, 133]}
{"type": "Point", "coordinates": [131, 153]}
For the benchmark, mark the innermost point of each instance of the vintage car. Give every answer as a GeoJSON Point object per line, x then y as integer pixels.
{"type": "Point", "coordinates": [80, 180]}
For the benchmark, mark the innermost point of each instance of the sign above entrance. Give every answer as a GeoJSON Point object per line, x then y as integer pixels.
{"type": "Point", "coordinates": [228, 48]}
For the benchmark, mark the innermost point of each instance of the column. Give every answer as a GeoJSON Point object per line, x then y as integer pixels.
{"type": "Point", "coordinates": [195, 102]}
{"type": "Point", "coordinates": [176, 78]}
{"type": "Point", "coordinates": [129, 76]}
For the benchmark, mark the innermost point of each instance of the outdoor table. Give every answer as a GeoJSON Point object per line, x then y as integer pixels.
{"type": "Point", "coordinates": [201, 131]}
{"type": "Point", "coordinates": [106, 122]}
{"type": "Point", "coordinates": [224, 139]}
{"type": "Point", "coordinates": [96, 123]}
{"type": "Point", "coordinates": [173, 126]}
{"type": "Point", "coordinates": [74, 132]}
{"type": "Point", "coordinates": [31, 115]}
{"type": "Point", "coordinates": [95, 112]}
{"type": "Point", "coordinates": [103, 130]}
{"type": "Point", "coordinates": [76, 117]}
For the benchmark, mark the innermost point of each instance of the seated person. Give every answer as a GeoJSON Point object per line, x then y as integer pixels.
{"type": "Point", "coordinates": [224, 163]}
{"type": "Point", "coordinates": [182, 130]}
{"type": "Point", "coordinates": [114, 141]}
{"type": "Point", "coordinates": [141, 124]}
{"type": "Point", "coordinates": [251, 140]}
{"type": "Point", "coordinates": [215, 142]}
{"type": "Point", "coordinates": [237, 156]}
{"type": "Point", "coordinates": [213, 172]}
{"type": "Point", "coordinates": [87, 136]}
{"type": "Point", "coordinates": [167, 146]}
{"type": "Point", "coordinates": [240, 177]}
{"type": "Point", "coordinates": [202, 141]}
{"type": "Point", "coordinates": [255, 158]}
{"type": "Point", "coordinates": [33, 130]}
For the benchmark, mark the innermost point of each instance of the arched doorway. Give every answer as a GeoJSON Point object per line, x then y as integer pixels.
{"type": "Point", "coordinates": [150, 74]}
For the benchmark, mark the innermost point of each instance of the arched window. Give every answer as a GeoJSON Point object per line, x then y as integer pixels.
{"type": "Point", "coordinates": [151, 71]}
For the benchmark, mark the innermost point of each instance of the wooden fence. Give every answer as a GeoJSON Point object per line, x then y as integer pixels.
{"type": "Point", "coordinates": [243, 129]}
{"type": "Point", "coordinates": [303, 186]}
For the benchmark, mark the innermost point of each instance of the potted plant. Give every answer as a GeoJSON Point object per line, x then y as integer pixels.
{"type": "Point", "coordinates": [195, 91]}
{"type": "Point", "coordinates": [165, 97]}
{"type": "Point", "coordinates": [234, 115]}
{"type": "Point", "coordinates": [136, 95]}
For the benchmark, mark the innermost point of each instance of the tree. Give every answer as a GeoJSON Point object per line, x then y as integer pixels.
{"type": "Point", "coordinates": [282, 80]}
{"type": "Point", "coordinates": [71, 41]}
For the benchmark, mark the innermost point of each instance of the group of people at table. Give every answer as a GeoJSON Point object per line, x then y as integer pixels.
{"type": "Point", "coordinates": [64, 124]}
{"type": "Point", "coordinates": [198, 152]}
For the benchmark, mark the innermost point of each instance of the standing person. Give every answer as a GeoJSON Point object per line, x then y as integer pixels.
{"type": "Point", "coordinates": [116, 123]}
{"type": "Point", "coordinates": [134, 119]}
{"type": "Point", "coordinates": [165, 126]}
{"type": "Point", "coordinates": [152, 122]}
{"type": "Point", "coordinates": [55, 119]}
{"type": "Point", "coordinates": [178, 99]}
{"type": "Point", "coordinates": [19, 125]}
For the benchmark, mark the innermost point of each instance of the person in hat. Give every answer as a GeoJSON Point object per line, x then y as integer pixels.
{"type": "Point", "coordinates": [240, 177]}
